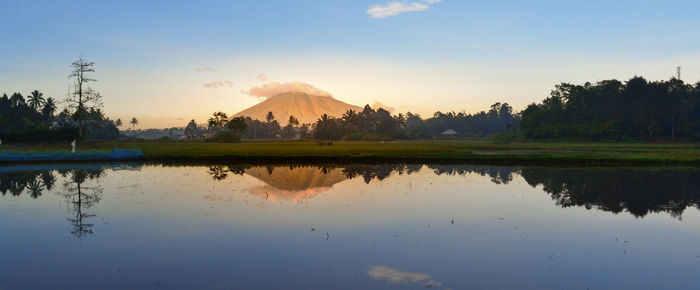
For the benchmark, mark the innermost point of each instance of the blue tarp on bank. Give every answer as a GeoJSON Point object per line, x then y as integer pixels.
{"type": "Point", "coordinates": [62, 155]}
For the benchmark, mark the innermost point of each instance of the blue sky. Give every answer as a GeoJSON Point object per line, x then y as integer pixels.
{"type": "Point", "coordinates": [449, 55]}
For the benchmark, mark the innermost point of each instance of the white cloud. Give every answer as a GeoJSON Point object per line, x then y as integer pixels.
{"type": "Point", "coordinates": [397, 7]}
{"type": "Point", "coordinates": [276, 88]}
{"type": "Point", "coordinates": [262, 77]}
{"type": "Point", "coordinates": [391, 275]}
{"type": "Point", "coordinates": [376, 105]}
{"type": "Point", "coordinates": [218, 84]}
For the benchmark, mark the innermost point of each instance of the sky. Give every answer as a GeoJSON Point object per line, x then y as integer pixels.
{"type": "Point", "coordinates": [166, 62]}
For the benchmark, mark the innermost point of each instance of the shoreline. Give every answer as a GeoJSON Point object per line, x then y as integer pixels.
{"type": "Point", "coordinates": [408, 152]}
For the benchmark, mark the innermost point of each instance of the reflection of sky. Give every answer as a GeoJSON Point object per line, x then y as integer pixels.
{"type": "Point", "coordinates": [179, 228]}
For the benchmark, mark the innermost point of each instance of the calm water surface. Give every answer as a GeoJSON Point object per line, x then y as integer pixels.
{"type": "Point", "coordinates": [357, 226]}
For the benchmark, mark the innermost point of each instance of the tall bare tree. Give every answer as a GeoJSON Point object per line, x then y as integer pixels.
{"type": "Point", "coordinates": [82, 98]}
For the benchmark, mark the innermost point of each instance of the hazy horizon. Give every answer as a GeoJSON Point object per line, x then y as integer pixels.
{"type": "Point", "coordinates": [168, 62]}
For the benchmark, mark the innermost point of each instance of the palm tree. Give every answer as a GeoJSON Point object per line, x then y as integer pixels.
{"type": "Point", "coordinates": [118, 123]}
{"type": "Point", "coordinates": [401, 119]}
{"type": "Point", "coordinates": [350, 120]}
{"type": "Point", "coordinates": [48, 179]}
{"type": "Point", "coordinates": [49, 108]}
{"type": "Point", "coordinates": [35, 99]}
{"type": "Point", "coordinates": [349, 117]}
{"type": "Point", "coordinates": [133, 122]}
{"type": "Point", "coordinates": [35, 188]}
{"type": "Point", "coordinates": [270, 117]}
{"type": "Point", "coordinates": [293, 121]}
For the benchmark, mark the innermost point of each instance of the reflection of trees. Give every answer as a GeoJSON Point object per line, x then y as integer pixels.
{"type": "Point", "coordinates": [367, 171]}
{"type": "Point", "coordinates": [638, 191]}
{"type": "Point", "coordinates": [498, 175]}
{"type": "Point", "coordinates": [81, 197]}
{"type": "Point", "coordinates": [78, 190]}
{"type": "Point", "coordinates": [220, 172]}
{"type": "Point", "coordinates": [35, 182]}
{"type": "Point", "coordinates": [378, 171]}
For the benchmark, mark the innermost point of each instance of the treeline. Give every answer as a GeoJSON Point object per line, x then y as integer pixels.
{"type": "Point", "coordinates": [369, 124]}
{"type": "Point", "coordinates": [377, 124]}
{"type": "Point", "coordinates": [612, 110]}
{"type": "Point", "coordinates": [34, 119]}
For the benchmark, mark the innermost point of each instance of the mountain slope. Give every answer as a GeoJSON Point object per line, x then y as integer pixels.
{"type": "Point", "coordinates": [306, 108]}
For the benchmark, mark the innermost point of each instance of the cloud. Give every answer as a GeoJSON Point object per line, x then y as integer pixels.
{"type": "Point", "coordinates": [218, 84]}
{"type": "Point", "coordinates": [203, 69]}
{"type": "Point", "coordinates": [397, 7]}
{"type": "Point", "coordinates": [391, 275]}
{"type": "Point", "coordinates": [276, 88]}
{"type": "Point", "coordinates": [376, 105]}
{"type": "Point", "coordinates": [262, 77]}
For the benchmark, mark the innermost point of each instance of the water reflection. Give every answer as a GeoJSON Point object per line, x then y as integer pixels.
{"type": "Point", "coordinates": [396, 276]}
{"type": "Point", "coordinates": [293, 183]}
{"type": "Point", "coordinates": [80, 197]}
{"type": "Point", "coordinates": [297, 183]}
{"type": "Point", "coordinates": [639, 191]}
{"type": "Point", "coordinates": [367, 226]}
{"type": "Point", "coordinates": [80, 190]}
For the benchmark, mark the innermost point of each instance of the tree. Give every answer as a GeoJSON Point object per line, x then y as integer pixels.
{"type": "Point", "coordinates": [36, 99]}
{"type": "Point", "coordinates": [118, 123]}
{"type": "Point", "coordinates": [83, 97]}
{"type": "Point", "coordinates": [134, 122]}
{"type": "Point", "coordinates": [17, 100]}
{"type": "Point", "coordinates": [217, 121]}
{"type": "Point", "coordinates": [293, 121]}
{"type": "Point", "coordinates": [326, 128]}
{"type": "Point", "coordinates": [49, 108]}
{"type": "Point", "coordinates": [270, 117]}
{"type": "Point", "coordinates": [351, 122]}
{"type": "Point", "coordinates": [236, 127]}
{"type": "Point", "coordinates": [191, 129]}
{"type": "Point", "coordinates": [288, 131]}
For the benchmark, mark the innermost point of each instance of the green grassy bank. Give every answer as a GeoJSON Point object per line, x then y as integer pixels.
{"type": "Point", "coordinates": [408, 151]}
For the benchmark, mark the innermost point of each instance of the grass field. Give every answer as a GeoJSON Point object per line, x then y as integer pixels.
{"type": "Point", "coordinates": [413, 151]}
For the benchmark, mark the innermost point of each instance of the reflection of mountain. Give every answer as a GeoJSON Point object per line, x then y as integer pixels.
{"type": "Point", "coordinates": [293, 184]}
{"type": "Point", "coordinates": [639, 191]}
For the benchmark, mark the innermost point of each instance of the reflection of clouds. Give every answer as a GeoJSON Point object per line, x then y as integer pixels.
{"type": "Point", "coordinates": [391, 275]}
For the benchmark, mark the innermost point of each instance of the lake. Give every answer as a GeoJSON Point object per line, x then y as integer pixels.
{"type": "Point", "coordinates": [131, 225]}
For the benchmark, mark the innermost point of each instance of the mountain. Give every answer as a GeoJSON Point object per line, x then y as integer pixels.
{"type": "Point", "coordinates": [307, 108]}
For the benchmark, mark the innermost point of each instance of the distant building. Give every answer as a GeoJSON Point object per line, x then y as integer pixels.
{"type": "Point", "coordinates": [450, 133]}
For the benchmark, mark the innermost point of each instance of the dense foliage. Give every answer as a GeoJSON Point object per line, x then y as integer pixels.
{"type": "Point", "coordinates": [637, 109]}
{"type": "Point", "coordinates": [379, 124]}
{"type": "Point", "coordinates": [34, 119]}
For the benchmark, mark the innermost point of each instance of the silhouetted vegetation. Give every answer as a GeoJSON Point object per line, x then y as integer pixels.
{"type": "Point", "coordinates": [378, 125]}
{"type": "Point", "coordinates": [223, 129]}
{"type": "Point", "coordinates": [34, 118]}
{"type": "Point", "coordinates": [611, 110]}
